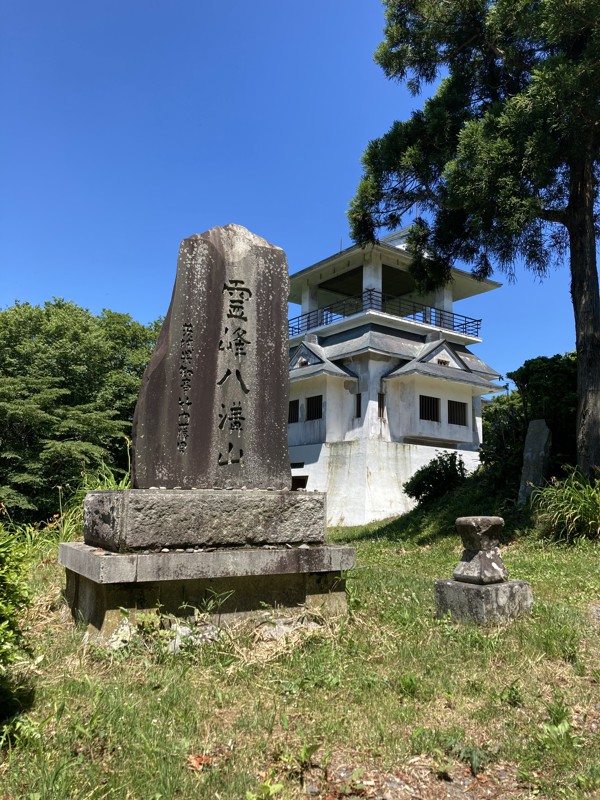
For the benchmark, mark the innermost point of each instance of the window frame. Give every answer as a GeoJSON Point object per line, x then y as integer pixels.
{"type": "Point", "coordinates": [293, 404]}
{"type": "Point", "coordinates": [429, 405]}
{"type": "Point", "coordinates": [314, 410]}
{"type": "Point", "coordinates": [461, 407]}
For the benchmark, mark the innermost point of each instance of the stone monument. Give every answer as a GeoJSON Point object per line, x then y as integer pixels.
{"type": "Point", "coordinates": [211, 509]}
{"type": "Point", "coordinates": [536, 458]}
{"type": "Point", "coordinates": [480, 590]}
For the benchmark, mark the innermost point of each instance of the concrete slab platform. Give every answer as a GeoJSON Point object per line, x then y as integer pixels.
{"type": "Point", "coordinates": [483, 604]}
{"type": "Point", "coordinates": [103, 566]}
{"type": "Point", "coordinates": [225, 584]}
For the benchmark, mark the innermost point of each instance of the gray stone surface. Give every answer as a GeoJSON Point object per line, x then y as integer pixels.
{"type": "Point", "coordinates": [212, 410]}
{"type": "Point", "coordinates": [479, 533]}
{"type": "Point", "coordinates": [482, 567]}
{"type": "Point", "coordinates": [480, 562]}
{"type": "Point", "coordinates": [97, 564]}
{"type": "Point", "coordinates": [138, 519]}
{"type": "Point", "coordinates": [536, 458]}
{"type": "Point", "coordinates": [221, 600]}
{"type": "Point", "coordinates": [483, 604]}
{"type": "Point", "coordinates": [103, 567]}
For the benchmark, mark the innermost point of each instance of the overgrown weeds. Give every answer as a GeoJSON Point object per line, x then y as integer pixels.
{"type": "Point", "coordinates": [328, 709]}
{"type": "Point", "coordinates": [568, 510]}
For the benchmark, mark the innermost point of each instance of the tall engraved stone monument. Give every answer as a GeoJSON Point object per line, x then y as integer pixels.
{"type": "Point", "coordinates": [213, 405]}
{"type": "Point", "coordinates": [210, 465]}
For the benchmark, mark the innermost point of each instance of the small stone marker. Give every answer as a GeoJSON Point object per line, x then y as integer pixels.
{"type": "Point", "coordinates": [536, 458]}
{"type": "Point", "coordinates": [211, 509]}
{"type": "Point", "coordinates": [481, 591]}
{"type": "Point", "coordinates": [480, 562]}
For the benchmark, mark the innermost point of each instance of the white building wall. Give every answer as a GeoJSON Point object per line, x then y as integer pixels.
{"type": "Point", "coordinates": [363, 478]}
{"type": "Point", "coordinates": [311, 431]}
{"type": "Point", "coordinates": [340, 408]}
{"type": "Point", "coordinates": [403, 408]}
{"type": "Point", "coordinates": [477, 421]}
{"type": "Point", "coordinates": [359, 462]}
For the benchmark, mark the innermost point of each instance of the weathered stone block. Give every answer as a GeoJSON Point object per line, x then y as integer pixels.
{"type": "Point", "coordinates": [482, 567]}
{"type": "Point", "coordinates": [470, 602]}
{"type": "Point", "coordinates": [481, 561]}
{"type": "Point", "coordinates": [479, 533]}
{"type": "Point", "coordinates": [230, 583]}
{"type": "Point", "coordinates": [102, 566]}
{"type": "Point", "coordinates": [536, 458]}
{"type": "Point", "coordinates": [138, 519]}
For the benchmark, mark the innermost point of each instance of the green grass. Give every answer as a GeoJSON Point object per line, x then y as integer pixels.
{"type": "Point", "coordinates": [386, 685]}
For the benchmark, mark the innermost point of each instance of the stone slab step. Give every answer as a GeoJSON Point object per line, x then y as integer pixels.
{"type": "Point", "coordinates": [106, 567]}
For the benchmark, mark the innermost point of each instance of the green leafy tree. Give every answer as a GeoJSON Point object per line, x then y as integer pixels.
{"type": "Point", "coordinates": [504, 431]}
{"type": "Point", "coordinates": [503, 159]}
{"type": "Point", "coordinates": [548, 390]}
{"type": "Point", "coordinates": [14, 596]}
{"type": "Point", "coordinates": [68, 385]}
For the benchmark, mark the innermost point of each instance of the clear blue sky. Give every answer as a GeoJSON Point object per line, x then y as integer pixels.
{"type": "Point", "coordinates": [130, 124]}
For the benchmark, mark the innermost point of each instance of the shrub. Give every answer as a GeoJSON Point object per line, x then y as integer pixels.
{"type": "Point", "coordinates": [568, 510]}
{"type": "Point", "coordinates": [443, 473]}
{"type": "Point", "coordinates": [13, 593]}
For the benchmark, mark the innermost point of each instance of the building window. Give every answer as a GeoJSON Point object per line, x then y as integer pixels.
{"type": "Point", "coordinates": [358, 405]}
{"type": "Point", "coordinates": [380, 405]}
{"type": "Point", "coordinates": [314, 407]}
{"type": "Point", "coordinates": [429, 408]}
{"type": "Point", "coordinates": [293, 411]}
{"type": "Point", "coordinates": [457, 413]}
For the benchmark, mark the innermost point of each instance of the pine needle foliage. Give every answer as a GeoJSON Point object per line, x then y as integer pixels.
{"type": "Point", "coordinates": [503, 161]}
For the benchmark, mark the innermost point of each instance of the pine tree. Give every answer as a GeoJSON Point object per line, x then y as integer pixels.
{"type": "Point", "coordinates": [503, 159]}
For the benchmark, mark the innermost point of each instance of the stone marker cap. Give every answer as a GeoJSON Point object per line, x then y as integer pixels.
{"type": "Point", "coordinates": [212, 410]}
{"type": "Point", "coordinates": [479, 533]}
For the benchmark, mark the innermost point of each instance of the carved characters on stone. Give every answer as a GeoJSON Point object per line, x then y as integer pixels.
{"type": "Point", "coordinates": [212, 408]}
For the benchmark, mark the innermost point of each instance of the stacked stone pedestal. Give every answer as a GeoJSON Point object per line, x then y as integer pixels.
{"type": "Point", "coordinates": [480, 591]}
{"type": "Point", "coordinates": [222, 532]}
{"type": "Point", "coordinates": [229, 553]}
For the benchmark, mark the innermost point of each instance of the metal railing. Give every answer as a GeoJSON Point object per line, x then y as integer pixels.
{"type": "Point", "coordinates": [372, 299]}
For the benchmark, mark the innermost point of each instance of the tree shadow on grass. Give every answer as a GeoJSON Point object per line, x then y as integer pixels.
{"type": "Point", "coordinates": [15, 699]}
{"type": "Point", "coordinates": [435, 521]}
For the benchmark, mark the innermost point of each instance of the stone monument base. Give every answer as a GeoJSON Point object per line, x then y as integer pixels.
{"type": "Point", "coordinates": [140, 519]}
{"type": "Point", "coordinates": [227, 583]}
{"type": "Point", "coordinates": [482, 604]}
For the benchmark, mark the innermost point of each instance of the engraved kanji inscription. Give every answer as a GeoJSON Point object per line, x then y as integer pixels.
{"type": "Point", "coordinates": [186, 353]}
{"type": "Point", "coordinates": [235, 340]}
{"type": "Point", "coordinates": [233, 347]}
{"type": "Point", "coordinates": [232, 456]}
{"type": "Point", "coordinates": [238, 294]}
{"type": "Point", "coordinates": [233, 416]}
{"type": "Point", "coordinates": [228, 373]}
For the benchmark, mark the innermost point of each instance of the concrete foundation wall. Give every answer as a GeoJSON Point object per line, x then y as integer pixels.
{"type": "Point", "coordinates": [363, 478]}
